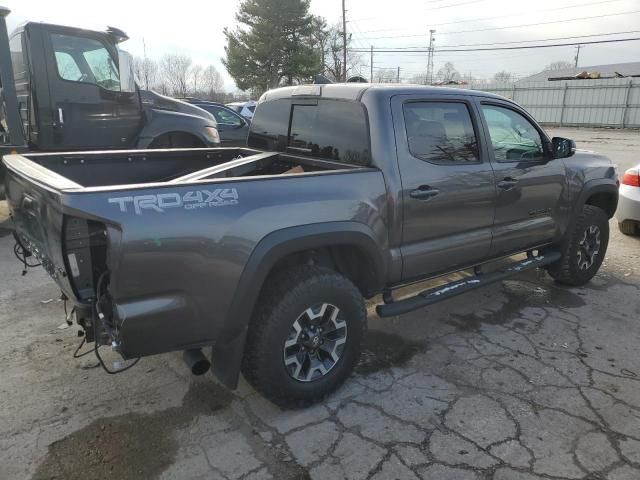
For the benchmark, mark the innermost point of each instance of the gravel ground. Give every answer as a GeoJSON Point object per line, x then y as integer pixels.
{"type": "Point", "coordinates": [520, 380]}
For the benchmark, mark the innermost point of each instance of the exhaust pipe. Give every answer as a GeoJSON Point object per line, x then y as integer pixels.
{"type": "Point", "coordinates": [196, 361]}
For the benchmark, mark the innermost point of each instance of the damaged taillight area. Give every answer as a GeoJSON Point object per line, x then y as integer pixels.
{"type": "Point", "coordinates": [85, 255]}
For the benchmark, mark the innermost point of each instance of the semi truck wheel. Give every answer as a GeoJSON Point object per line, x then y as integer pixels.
{"type": "Point", "coordinates": [583, 248]}
{"type": "Point", "coordinates": [306, 335]}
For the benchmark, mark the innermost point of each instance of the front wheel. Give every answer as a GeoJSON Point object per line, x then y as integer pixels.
{"type": "Point", "coordinates": [306, 336]}
{"type": "Point", "coordinates": [583, 248]}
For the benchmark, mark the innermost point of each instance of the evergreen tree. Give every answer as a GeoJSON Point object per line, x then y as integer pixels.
{"type": "Point", "coordinates": [272, 46]}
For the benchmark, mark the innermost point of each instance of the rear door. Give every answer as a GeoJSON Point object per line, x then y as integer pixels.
{"type": "Point", "coordinates": [88, 107]}
{"type": "Point", "coordinates": [448, 186]}
{"type": "Point", "coordinates": [530, 183]}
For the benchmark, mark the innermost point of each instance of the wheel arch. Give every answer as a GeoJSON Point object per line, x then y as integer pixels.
{"type": "Point", "coordinates": [198, 142]}
{"type": "Point", "coordinates": [273, 251]}
{"type": "Point", "coordinates": [601, 193]}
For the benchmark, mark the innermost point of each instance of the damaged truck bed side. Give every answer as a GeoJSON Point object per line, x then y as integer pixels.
{"type": "Point", "coordinates": [265, 253]}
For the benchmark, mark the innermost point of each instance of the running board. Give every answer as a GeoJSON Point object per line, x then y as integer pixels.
{"type": "Point", "coordinates": [452, 289]}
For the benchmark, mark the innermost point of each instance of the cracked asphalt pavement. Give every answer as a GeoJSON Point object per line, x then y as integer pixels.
{"type": "Point", "coordinates": [520, 380]}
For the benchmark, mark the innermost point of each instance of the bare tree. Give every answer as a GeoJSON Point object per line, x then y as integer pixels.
{"type": "Point", "coordinates": [333, 57]}
{"type": "Point", "coordinates": [211, 81]}
{"type": "Point", "coordinates": [559, 65]}
{"type": "Point", "coordinates": [146, 71]}
{"type": "Point", "coordinates": [448, 73]}
{"type": "Point", "coordinates": [175, 71]}
{"type": "Point", "coordinates": [195, 75]}
{"type": "Point", "coordinates": [503, 76]}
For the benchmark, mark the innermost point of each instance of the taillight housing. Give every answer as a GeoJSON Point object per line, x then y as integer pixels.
{"type": "Point", "coordinates": [631, 177]}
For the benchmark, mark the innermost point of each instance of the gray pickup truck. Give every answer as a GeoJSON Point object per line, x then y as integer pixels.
{"type": "Point", "coordinates": [265, 254]}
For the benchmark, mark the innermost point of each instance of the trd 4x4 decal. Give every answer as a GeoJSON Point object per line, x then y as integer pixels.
{"type": "Point", "coordinates": [189, 201]}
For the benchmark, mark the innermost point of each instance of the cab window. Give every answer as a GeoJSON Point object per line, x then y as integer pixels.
{"type": "Point", "coordinates": [513, 137]}
{"type": "Point", "coordinates": [87, 60]}
{"type": "Point", "coordinates": [441, 132]}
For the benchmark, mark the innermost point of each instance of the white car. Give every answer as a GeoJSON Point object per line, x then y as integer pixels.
{"type": "Point", "coordinates": [245, 109]}
{"type": "Point", "coordinates": [628, 212]}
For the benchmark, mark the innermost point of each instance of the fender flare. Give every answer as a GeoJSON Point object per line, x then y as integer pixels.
{"type": "Point", "coordinates": [227, 353]}
{"type": "Point", "coordinates": [598, 185]}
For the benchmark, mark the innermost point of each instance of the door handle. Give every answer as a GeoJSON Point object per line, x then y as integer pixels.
{"type": "Point", "coordinates": [508, 183]}
{"type": "Point", "coordinates": [424, 192]}
{"type": "Point", "coordinates": [60, 116]}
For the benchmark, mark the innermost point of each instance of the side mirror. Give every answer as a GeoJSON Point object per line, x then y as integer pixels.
{"type": "Point", "coordinates": [563, 147]}
{"type": "Point", "coordinates": [127, 76]}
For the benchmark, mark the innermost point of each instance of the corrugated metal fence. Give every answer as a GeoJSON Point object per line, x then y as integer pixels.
{"type": "Point", "coordinates": [586, 103]}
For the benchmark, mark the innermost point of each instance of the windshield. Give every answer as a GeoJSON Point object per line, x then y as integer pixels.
{"type": "Point", "coordinates": [86, 60]}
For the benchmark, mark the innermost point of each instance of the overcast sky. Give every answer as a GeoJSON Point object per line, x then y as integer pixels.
{"type": "Point", "coordinates": [195, 28]}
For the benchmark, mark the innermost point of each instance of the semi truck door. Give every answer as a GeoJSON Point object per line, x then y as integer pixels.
{"type": "Point", "coordinates": [529, 182]}
{"type": "Point", "coordinates": [89, 109]}
{"type": "Point", "coordinates": [448, 190]}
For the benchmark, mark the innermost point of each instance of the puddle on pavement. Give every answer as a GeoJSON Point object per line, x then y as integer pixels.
{"type": "Point", "coordinates": [385, 350]}
{"type": "Point", "coordinates": [131, 446]}
{"type": "Point", "coordinates": [520, 294]}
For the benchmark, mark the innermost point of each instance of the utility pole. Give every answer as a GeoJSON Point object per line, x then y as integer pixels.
{"type": "Point", "coordinates": [429, 78]}
{"type": "Point", "coordinates": [398, 76]}
{"type": "Point", "coordinates": [577, 56]}
{"type": "Point", "coordinates": [344, 43]}
{"type": "Point", "coordinates": [371, 66]}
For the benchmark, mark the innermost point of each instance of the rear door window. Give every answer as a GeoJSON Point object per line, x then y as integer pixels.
{"type": "Point", "coordinates": [441, 132]}
{"type": "Point", "coordinates": [330, 129]}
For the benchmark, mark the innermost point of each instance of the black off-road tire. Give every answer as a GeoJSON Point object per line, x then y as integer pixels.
{"type": "Point", "coordinates": [286, 296]}
{"type": "Point", "coordinates": [567, 270]}
{"type": "Point", "coordinates": [629, 227]}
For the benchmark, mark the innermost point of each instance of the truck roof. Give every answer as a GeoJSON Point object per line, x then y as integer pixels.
{"type": "Point", "coordinates": [355, 91]}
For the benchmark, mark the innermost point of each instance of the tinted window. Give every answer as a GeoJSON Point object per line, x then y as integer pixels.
{"type": "Point", "coordinates": [83, 59]}
{"type": "Point", "coordinates": [270, 126]}
{"type": "Point", "coordinates": [513, 137]}
{"type": "Point", "coordinates": [252, 108]}
{"type": "Point", "coordinates": [440, 132]}
{"type": "Point", "coordinates": [17, 57]}
{"type": "Point", "coordinates": [330, 129]}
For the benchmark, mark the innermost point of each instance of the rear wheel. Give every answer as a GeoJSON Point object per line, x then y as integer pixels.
{"type": "Point", "coordinates": [583, 248]}
{"type": "Point", "coordinates": [306, 336]}
{"type": "Point", "coordinates": [628, 227]}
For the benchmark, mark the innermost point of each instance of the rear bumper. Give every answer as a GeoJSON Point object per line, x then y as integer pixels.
{"type": "Point", "coordinates": [628, 204]}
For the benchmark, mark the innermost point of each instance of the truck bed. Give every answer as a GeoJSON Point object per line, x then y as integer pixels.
{"type": "Point", "coordinates": [76, 170]}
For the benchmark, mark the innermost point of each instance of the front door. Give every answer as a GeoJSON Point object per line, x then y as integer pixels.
{"type": "Point", "coordinates": [448, 188]}
{"type": "Point", "coordinates": [89, 109]}
{"type": "Point", "coordinates": [530, 183]}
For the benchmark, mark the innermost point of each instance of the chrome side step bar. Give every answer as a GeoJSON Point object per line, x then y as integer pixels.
{"type": "Point", "coordinates": [437, 294]}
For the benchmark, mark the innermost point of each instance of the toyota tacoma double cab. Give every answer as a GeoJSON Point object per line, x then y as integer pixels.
{"type": "Point", "coordinates": [265, 255]}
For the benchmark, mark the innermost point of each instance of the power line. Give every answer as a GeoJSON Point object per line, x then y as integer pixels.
{"type": "Point", "coordinates": [521, 47]}
{"type": "Point", "coordinates": [511, 26]}
{"type": "Point", "coordinates": [409, 49]}
{"type": "Point", "coordinates": [566, 7]}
